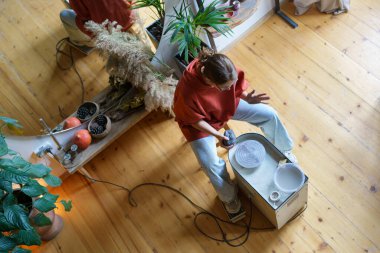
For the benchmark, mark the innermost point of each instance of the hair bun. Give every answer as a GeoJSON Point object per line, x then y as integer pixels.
{"type": "Point", "coordinates": [205, 54]}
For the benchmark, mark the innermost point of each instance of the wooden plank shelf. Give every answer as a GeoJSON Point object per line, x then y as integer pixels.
{"type": "Point", "coordinates": [98, 145]}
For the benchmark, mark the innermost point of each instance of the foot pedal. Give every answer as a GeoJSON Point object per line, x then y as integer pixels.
{"type": "Point", "coordinates": [235, 217]}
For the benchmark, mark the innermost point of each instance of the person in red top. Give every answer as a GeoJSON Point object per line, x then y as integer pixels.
{"type": "Point", "coordinates": [211, 92]}
{"type": "Point", "coordinates": [97, 11]}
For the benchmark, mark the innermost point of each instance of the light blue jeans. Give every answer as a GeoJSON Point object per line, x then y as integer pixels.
{"type": "Point", "coordinates": [75, 34]}
{"type": "Point", "coordinates": [260, 115]}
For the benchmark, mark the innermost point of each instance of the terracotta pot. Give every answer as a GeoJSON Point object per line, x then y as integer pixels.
{"type": "Point", "coordinates": [46, 232]}
{"type": "Point", "coordinates": [50, 231]}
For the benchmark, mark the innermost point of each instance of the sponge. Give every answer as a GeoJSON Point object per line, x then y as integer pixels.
{"type": "Point", "coordinates": [231, 136]}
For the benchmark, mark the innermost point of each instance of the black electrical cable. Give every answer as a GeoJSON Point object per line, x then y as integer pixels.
{"type": "Point", "coordinates": [217, 220]}
{"type": "Point", "coordinates": [71, 65]}
{"type": "Point", "coordinates": [224, 235]}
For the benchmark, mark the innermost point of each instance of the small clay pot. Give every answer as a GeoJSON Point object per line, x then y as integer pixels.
{"type": "Point", "coordinates": [54, 229]}
{"type": "Point", "coordinates": [92, 106]}
{"type": "Point", "coordinates": [106, 130]}
{"type": "Point", "coordinates": [50, 231]}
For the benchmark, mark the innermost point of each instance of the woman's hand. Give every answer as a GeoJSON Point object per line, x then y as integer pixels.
{"type": "Point", "coordinates": [251, 98]}
{"type": "Point", "coordinates": [207, 128]}
{"type": "Point", "coordinates": [221, 138]}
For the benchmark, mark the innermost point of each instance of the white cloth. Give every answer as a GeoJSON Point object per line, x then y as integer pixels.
{"type": "Point", "coordinates": [327, 6]}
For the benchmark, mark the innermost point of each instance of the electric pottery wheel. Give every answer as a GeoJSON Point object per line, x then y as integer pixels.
{"type": "Point", "coordinates": [278, 202]}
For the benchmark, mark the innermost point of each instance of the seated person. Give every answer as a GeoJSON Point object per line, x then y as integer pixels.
{"type": "Point", "coordinates": [211, 92]}
{"type": "Point", "coordinates": [98, 11]}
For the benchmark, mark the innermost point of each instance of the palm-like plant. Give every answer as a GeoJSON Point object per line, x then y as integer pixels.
{"type": "Point", "coordinates": [158, 7]}
{"type": "Point", "coordinates": [15, 225]}
{"type": "Point", "coordinates": [185, 26]}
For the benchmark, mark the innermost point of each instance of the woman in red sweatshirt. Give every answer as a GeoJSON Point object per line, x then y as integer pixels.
{"type": "Point", "coordinates": [210, 92]}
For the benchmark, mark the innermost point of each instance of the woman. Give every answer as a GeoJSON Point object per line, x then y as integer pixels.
{"type": "Point", "coordinates": [210, 92]}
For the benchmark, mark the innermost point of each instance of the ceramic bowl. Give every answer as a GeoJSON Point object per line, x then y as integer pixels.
{"type": "Point", "coordinates": [95, 124]}
{"type": "Point", "coordinates": [87, 111]}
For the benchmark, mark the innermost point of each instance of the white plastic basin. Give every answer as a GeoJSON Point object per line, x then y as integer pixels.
{"type": "Point", "coordinates": [289, 177]}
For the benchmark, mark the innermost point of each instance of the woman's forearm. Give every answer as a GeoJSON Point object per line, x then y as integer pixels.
{"type": "Point", "coordinates": [207, 128]}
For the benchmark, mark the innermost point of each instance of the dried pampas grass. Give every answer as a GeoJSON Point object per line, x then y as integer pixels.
{"type": "Point", "coordinates": [130, 60]}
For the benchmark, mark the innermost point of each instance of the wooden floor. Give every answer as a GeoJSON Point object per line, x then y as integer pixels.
{"type": "Point", "coordinates": [324, 80]}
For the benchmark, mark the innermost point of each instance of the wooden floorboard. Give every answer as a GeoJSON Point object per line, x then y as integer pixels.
{"type": "Point", "coordinates": [324, 81]}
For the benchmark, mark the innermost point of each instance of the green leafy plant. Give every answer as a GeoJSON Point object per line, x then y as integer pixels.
{"type": "Point", "coordinates": [16, 226]}
{"type": "Point", "coordinates": [187, 26]}
{"type": "Point", "coordinates": [158, 7]}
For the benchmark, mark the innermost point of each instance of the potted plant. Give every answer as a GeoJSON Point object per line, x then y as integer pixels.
{"type": "Point", "coordinates": [26, 206]}
{"type": "Point", "coordinates": [155, 29]}
{"type": "Point", "coordinates": [187, 27]}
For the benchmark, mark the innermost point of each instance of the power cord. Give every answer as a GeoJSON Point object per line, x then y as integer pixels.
{"type": "Point", "coordinates": [69, 55]}
{"type": "Point", "coordinates": [217, 220]}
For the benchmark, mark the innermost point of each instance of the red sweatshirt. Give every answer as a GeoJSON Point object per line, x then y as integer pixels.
{"type": "Point", "coordinates": [100, 10]}
{"type": "Point", "coordinates": [194, 100]}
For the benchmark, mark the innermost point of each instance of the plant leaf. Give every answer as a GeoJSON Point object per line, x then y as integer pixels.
{"type": "Point", "coordinates": [67, 205]}
{"type": "Point", "coordinates": [33, 189]}
{"type": "Point", "coordinates": [156, 4]}
{"type": "Point", "coordinates": [14, 178]}
{"type": "Point", "coordinates": [52, 180]}
{"type": "Point", "coordinates": [17, 216]}
{"type": "Point", "coordinates": [21, 250]}
{"type": "Point", "coordinates": [8, 120]}
{"type": "Point", "coordinates": [28, 237]}
{"type": "Point", "coordinates": [6, 162]}
{"type": "Point", "coordinates": [12, 152]}
{"type": "Point", "coordinates": [15, 129]}
{"type": "Point", "coordinates": [5, 225]}
{"type": "Point", "coordinates": [6, 185]}
{"type": "Point", "coordinates": [9, 166]}
{"type": "Point", "coordinates": [43, 205]}
{"type": "Point", "coordinates": [19, 162]}
{"type": "Point", "coordinates": [3, 146]}
{"type": "Point", "coordinates": [6, 243]}
{"type": "Point", "coordinates": [50, 197]}
{"type": "Point", "coordinates": [11, 124]}
{"type": "Point", "coordinates": [9, 200]}
{"type": "Point", "coordinates": [41, 220]}
{"type": "Point", "coordinates": [37, 170]}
